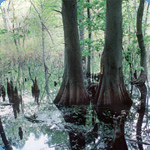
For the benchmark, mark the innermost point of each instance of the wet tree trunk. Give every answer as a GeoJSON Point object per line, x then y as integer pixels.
{"type": "Point", "coordinates": [111, 91]}
{"type": "Point", "coordinates": [143, 75]}
{"type": "Point", "coordinates": [72, 90]}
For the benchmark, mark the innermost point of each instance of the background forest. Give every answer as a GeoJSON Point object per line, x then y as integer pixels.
{"type": "Point", "coordinates": [32, 41]}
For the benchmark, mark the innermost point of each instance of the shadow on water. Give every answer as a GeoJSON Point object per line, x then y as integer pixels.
{"type": "Point", "coordinates": [111, 137]}
{"type": "Point", "coordinates": [79, 135]}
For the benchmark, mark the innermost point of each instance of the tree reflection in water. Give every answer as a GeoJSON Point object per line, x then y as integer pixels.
{"type": "Point", "coordinates": [4, 139]}
{"type": "Point", "coordinates": [141, 111]}
{"type": "Point", "coordinates": [119, 142]}
{"type": "Point", "coordinates": [76, 116]}
{"type": "Point", "coordinates": [77, 129]}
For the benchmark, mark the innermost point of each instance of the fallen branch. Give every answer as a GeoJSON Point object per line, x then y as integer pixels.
{"type": "Point", "coordinates": [33, 120]}
{"type": "Point", "coordinates": [139, 142]}
{"type": "Point", "coordinates": [8, 104]}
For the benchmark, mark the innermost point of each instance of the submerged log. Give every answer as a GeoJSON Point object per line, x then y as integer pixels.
{"type": "Point", "coordinates": [33, 120]}
{"type": "Point", "coordinates": [8, 104]}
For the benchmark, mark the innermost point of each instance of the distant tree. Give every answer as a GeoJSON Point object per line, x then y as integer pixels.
{"type": "Point", "coordinates": [88, 72]}
{"type": "Point", "coordinates": [111, 91]}
{"type": "Point", "coordinates": [80, 9]}
{"type": "Point", "coordinates": [43, 28]}
{"type": "Point", "coordinates": [72, 90]}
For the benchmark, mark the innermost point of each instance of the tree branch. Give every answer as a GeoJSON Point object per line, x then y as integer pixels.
{"type": "Point", "coordinates": [42, 22]}
{"type": "Point", "coordinates": [57, 11]}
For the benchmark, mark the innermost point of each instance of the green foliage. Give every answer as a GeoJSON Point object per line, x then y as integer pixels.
{"type": "Point", "coordinates": [3, 31]}
{"type": "Point", "coordinates": [131, 50]}
{"type": "Point", "coordinates": [95, 26]}
{"type": "Point", "coordinates": [26, 30]}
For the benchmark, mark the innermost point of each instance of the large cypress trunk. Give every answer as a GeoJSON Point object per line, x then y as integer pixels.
{"type": "Point", "coordinates": [72, 90]}
{"type": "Point", "coordinates": [111, 91]}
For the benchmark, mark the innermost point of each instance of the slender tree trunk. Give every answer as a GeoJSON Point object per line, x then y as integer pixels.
{"type": "Point", "coordinates": [129, 54]}
{"type": "Point", "coordinates": [111, 91]}
{"type": "Point", "coordinates": [72, 90]}
{"type": "Point", "coordinates": [81, 33]}
{"type": "Point", "coordinates": [10, 27]}
{"type": "Point", "coordinates": [143, 75]}
{"type": "Point", "coordinates": [5, 15]}
{"type": "Point", "coordinates": [88, 71]}
{"type": "Point", "coordinates": [43, 46]}
{"type": "Point", "coordinates": [44, 62]}
{"type": "Point", "coordinates": [146, 18]}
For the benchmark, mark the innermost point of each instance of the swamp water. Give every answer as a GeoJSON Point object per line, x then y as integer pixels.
{"type": "Point", "coordinates": [43, 127]}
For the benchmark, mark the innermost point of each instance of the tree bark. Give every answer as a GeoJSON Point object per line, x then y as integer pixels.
{"type": "Point", "coordinates": [72, 90]}
{"type": "Point", "coordinates": [43, 27]}
{"type": "Point", "coordinates": [111, 91]}
{"type": "Point", "coordinates": [143, 75]}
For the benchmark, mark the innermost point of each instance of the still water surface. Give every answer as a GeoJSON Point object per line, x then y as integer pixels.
{"type": "Point", "coordinates": [49, 131]}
